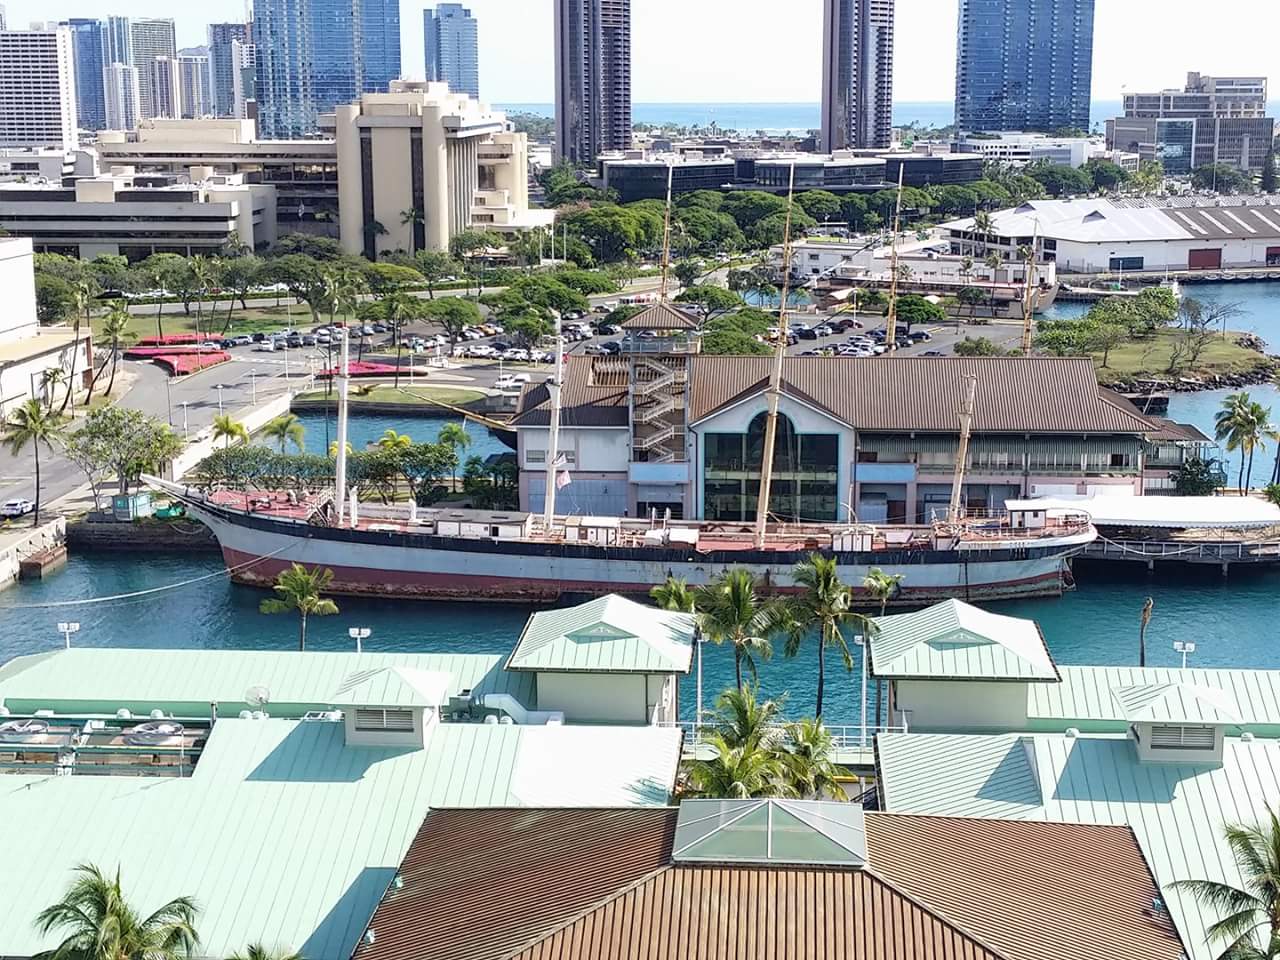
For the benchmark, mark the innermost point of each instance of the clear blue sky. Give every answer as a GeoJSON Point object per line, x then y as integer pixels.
{"type": "Point", "coordinates": [768, 50]}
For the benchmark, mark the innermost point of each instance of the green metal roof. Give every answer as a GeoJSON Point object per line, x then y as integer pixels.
{"type": "Point", "coordinates": [287, 836]}
{"type": "Point", "coordinates": [1177, 811]}
{"type": "Point", "coordinates": [1085, 697]}
{"type": "Point", "coordinates": [1175, 703]}
{"type": "Point", "coordinates": [956, 641]}
{"type": "Point", "coordinates": [395, 687]}
{"type": "Point", "coordinates": [85, 680]}
{"type": "Point", "coordinates": [607, 635]}
{"type": "Point", "coordinates": [770, 831]}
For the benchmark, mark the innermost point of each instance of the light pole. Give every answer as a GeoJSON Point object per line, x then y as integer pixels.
{"type": "Point", "coordinates": [67, 629]}
{"type": "Point", "coordinates": [219, 399]}
{"type": "Point", "coordinates": [1184, 647]}
{"type": "Point", "coordinates": [253, 386]}
{"type": "Point", "coordinates": [697, 713]}
{"type": "Point", "coordinates": [184, 420]}
{"type": "Point", "coordinates": [359, 635]}
{"type": "Point", "coordinates": [168, 399]}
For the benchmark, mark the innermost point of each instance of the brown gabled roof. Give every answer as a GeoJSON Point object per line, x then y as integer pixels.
{"type": "Point", "coordinates": [1181, 432]}
{"type": "Point", "coordinates": [661, 316]}
{"type": "Point", "coordinates": [594, 395]}
{"type": "Point", "coordinates": [596, 884]}
{"type": "Point", "coordinates": [1046, 889]}
{"type": "Point", "coordinates": [1014, 395]}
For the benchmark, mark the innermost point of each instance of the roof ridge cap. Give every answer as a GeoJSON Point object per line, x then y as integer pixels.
{"type": "Point", "coordinates": [934, 911]}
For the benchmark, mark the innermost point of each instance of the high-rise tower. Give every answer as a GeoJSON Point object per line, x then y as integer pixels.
{"type": "Point", "coordinates": [857, 74]}
{"type": "Point", "coordinates": [593, 77]}
{"type": "Point", "coordinates": [452, 47]}
{"type": "Point", "coordinates": [223, 65]}
{"type": "Point", "coordinates": [88, 48]}
{"type": "Point", "coordinates": [149, 40]}
{"type": "Point", "coordinates": [1024, 64]}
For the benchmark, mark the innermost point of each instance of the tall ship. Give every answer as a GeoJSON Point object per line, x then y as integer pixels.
{"type": "Point", "coordinates": [541, 555]}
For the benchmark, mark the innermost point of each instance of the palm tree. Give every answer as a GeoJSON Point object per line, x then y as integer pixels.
{"type": "Point", "coordinates": [739, 773]}
{"type": "Point", "coordinates": [824, 604]}
{"type": "Point", "coordinates": [32, 423]}
{"type": "Point", "coordinates": [283, 429]}
{"type": "Point", "coordinates": [256, 951]}
{"type": "Point", "coordinates": [995, 262]}
{"type": "Point", "coordinates": [883, 587]}
{"type": "Point", "coordinates": [1250, 914]}
{"type": "Point", "coordinates": [674, 595]}
{"type": "Point", "coordinates": [983, 227]}
{"type": "Point", "coordinates": [115, 329]}
{"type": "Point", "coordinates": [1242, 424]}
{"type": "Point", "coordinates": [392, 441]}
{"type": "Point", "coordinates": [333, 449]}
{"type": "Point", "coordinates": [98, 923]}
{"type": "Point", "coordinates": [810, 759]}
{"type": "Point", "coordinates": [731, 611]}
{"type": "Point", "coordinates": [456, 438]}
{"type": "Point", "coordinates": [399, 309]}
{"type": "Point", "coordinates": [1142, 631]}
{"type": "Point", "coordinates": [300, 589]}
{"type": "Point", "coordinates": [82, 297]}
{"type": "Point", "coordinates": [50, 380]}
{"type": "Point", "coordinates": [227, 428]}
{"type": "Point", "coordinates": [411, 218]}
{"type": "Point", "coordinates": [203, 272]}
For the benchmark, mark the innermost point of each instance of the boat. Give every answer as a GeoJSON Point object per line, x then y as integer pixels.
{"type": "Point", "coordinates": [455, 554]}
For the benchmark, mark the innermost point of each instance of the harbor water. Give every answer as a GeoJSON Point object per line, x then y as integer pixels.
{"type": "Point", "coordinates": [1231, 620]}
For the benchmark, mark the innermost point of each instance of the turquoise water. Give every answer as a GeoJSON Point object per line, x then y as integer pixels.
{"type": "Point", "coordinates": [366, 428]}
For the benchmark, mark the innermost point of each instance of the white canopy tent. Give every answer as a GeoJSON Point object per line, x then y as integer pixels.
{"type": "Point", "coordinates": [1179, 513]}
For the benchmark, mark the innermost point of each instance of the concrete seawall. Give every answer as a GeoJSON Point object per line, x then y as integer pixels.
{"type": "Point", "coordinates": [155, 536]}
{"type": "Point", "coordinates": [19, 544]}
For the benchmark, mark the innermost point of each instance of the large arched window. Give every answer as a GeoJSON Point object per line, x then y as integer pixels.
{"type": "Point", "coordinates": [785, 445]}
{"type": "Point", "coordinates": [805, 473]}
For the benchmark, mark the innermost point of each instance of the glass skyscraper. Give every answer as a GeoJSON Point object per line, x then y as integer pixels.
{"type": "Point", "coordinates": [316, 54]}
{"type": "Point", "coordinates": [88, 52]}
{"type": "Point", "coordinates": [223, 65]}
{"type": "Point", "coordinates": [451, 43]}
{"type": "Point", "coordinates": [1024, 64]}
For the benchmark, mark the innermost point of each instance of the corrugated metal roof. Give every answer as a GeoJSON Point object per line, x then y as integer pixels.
{"type": "Point", "coordinates": [610, 634]}
{"type": "Point", "coordinates": [395, 687]}
{"type": "Point", "coordinates": [285, 835]}
{"type": "Point", "coordinates": [958, 641]}
{"type": "Point", "coordinates": [1177, 811]}
{"type": "Point", "coordinates": [600, 884]}
{"type": "Point", "coordinates": [771, 832]}
{"type": "Point", "coordinates": [89, 680]}
{"type": "Point", "coordinates": [1084, 696]}
{"type": "Point", "coordinates": [1015, 394]}
{"type": "Point", "coordinates": [589, 398]}
{"type": "Point", "coordinates": [1175, 703]}
{"type": "Point", "coordinates": [661, 316]}
{"type": "Point", "coordinates": [1040, 871]}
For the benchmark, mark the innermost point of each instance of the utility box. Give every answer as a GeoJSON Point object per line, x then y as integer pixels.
{"type": "Point", "coordinates": [126, 507]}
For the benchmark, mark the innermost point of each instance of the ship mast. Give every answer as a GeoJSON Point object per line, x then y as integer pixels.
{"type": "Point", "coordinates": [553, 438]}
{"type": "Point", "coordinates": [966, 425]}
{"type": "Point", "coordinates": [666, 237]}
{"type": "Point", "coordinates": [775, 380]}
{"type": "Point", "coordinates": [340, 471]}
{"type": "Point", "coordinates": [1028, 325]}
{"type": "Point", "coordinates": [891, 323]}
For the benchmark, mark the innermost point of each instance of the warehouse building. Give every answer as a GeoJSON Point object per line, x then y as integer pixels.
{"type": "Point", "coordinates": [1092, 235]}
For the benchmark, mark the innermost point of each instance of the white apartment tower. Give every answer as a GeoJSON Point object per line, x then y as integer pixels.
{"type": "Point", "coordinates": [243, 70]}
{"type": "Point", "coordinates": [37, 89]}
{"type": "Point", "coordinates": [166, 89]}
{"type": "Point", "coordinates": [195, 86]}
{"type": "Point", "coordinates": [593, 78]}
{"type": "Point", "coordinates": [150, 39]}
{"type": "Point", "coordinates": [857, 74]}
{"type": "Point", "coordinates": [122, 96]}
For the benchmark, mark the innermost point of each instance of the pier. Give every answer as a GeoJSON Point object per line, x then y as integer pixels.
{"type": "Point", "coordinates": [1223, 553]}
{"type": "Point", "coordinates": [1218, 275]}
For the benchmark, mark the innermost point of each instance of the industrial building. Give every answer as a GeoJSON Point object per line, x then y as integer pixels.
{"type": "Point", "coordinates": [1114, 236]}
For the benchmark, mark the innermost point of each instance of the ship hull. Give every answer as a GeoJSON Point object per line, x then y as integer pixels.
{"type": "Point", "coordinates": [381, 564]}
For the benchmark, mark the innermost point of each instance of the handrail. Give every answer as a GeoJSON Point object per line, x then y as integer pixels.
{"type": "Point", "coordinates": [845, 736]}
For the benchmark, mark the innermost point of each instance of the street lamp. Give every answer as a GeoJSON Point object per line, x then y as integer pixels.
{"type": "Point", "coordinates": [697, 715]}
{"type": "Point", "coordinates": [359, 635]}
{"type": "Point", "coordinates": [184, 420]}
{"type": "Point", "coordinates": [67, 629]}
{"type": "Point", "coordinates": [1184, 647]}
{"type": "Point", "coordinates": [253, 385]}
{"type": "Point", "coordinates": [861, 641]}
{"type": "Point", "coordinates": [168, 399]}
{"type": "Point", "coordinates": [219, 387]}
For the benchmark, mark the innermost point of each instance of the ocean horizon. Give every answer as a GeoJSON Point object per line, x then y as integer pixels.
{"type": "Point", "coordinates": [799, 117]}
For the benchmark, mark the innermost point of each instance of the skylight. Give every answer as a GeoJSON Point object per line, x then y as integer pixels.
{"type": "Point", "coordinates": [770, 831]}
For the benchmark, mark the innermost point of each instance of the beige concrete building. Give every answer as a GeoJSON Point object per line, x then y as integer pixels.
{"type": "Point", "coordinates": [27, 349]}
{"type": "Point", "coordinates": [421, 148]}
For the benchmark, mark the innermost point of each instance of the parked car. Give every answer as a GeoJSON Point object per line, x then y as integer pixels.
{"type": "Point", "coordinates": [511, 382]}
{"type": "Point", "coordinates": [823, 331]}
{"type": "Point", "coordinates": [933, 353]}
{"type": "Point", "coordinates": [243, 340]}
{"type": "Point", "coordinates": [266, 346]}
{"type": "Point", "coordinates": [500, 346]}
{"type": "Point", "coordinates": [611, 348]}
{"type": "Point", "coordinates": [309, 340]}
{"type": "Point", "coordinates": [920, 336]}
{"type": "Point", "coordinates": [805, 333]}
{"type": "Point", "coordinates": [226, 344]}
{"type": "Point", "coordinates": [17, 508]}
{"type": "Point", "coordinates": [481, 350]}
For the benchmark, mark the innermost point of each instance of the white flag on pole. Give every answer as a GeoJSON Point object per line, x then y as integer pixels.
{"type": "Point", "coordinates": [562, 472]}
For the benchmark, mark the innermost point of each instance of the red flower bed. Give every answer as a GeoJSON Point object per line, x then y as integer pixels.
{"type": "Point", "coordinates": [148, 353]}
{"type": "Point", "coordinates": [179, 364]}
{"type": "Point", "coordinates": [365, 368]}
{"type": "Point", "coordinates": [172, 339]}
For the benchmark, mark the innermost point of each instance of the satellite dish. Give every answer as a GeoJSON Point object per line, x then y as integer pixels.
{"type": "Point", "coordinates": [257, 696]}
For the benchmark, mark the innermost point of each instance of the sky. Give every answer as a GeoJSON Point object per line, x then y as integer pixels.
{"type": "Point", "coordinates": [770, 50]}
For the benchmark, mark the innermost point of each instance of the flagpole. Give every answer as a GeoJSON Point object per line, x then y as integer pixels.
{"type": "Point", "coordinates": [553, 439]}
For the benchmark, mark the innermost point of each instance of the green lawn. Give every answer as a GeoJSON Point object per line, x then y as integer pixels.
{"type": "Point", "coordinates": [385, 393]}
{"type": "Point", "coordinates": [1150, 359]}
{"type": "Point", "coordinates": [143, 324]}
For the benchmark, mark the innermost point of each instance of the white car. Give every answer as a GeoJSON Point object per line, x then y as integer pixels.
{"type": "Point", "coordinates": [17, 508]}
{"type": "Point", "coordinates": [482, 350]}
{"type": "Point", "coordinates": [511, 382]}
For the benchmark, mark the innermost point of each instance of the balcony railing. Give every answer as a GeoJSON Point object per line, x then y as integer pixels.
{"type": "Point", "coordinates": [844, 736]}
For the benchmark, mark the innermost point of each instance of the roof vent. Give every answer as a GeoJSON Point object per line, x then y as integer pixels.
{"type": "Point", "coordinates": [1246, 737]}
{"type": "Point", "coordinates": [124, 714]}
{"type": "Point", "coordinates": [1073, 732]}
{"type": "Point", "coordinates": [157, 714]}
{"type": "Point", "coordinates": [246, 715]}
